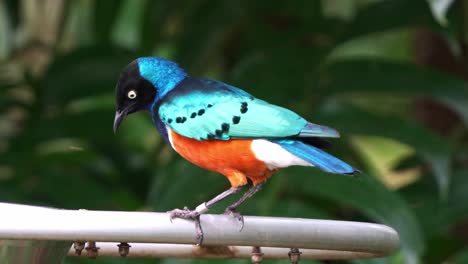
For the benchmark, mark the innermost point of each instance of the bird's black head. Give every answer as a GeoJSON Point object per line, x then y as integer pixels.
{"type": "Point", "coordinates": [133, 93]}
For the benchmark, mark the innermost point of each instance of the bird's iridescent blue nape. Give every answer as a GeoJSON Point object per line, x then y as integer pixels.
{"type": "Point", "coordinates": [163, 74]}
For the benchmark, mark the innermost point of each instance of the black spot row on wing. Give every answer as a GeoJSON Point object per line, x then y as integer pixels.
{"type": "Point", "coordinates": [224, 130]}
{"type": "Point", "coordinates": [244, 107]}
{"type": "Point", "coordinates": [182, 119]}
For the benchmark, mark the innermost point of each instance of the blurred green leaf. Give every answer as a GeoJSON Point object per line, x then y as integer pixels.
{"type": "Point", "coordinates": [127, 29]}
{"type": "Point", "coordinates": [391, 45]}
{"type": "Point", "coordinates": [13, 12]}
{"type": "Point", "coordinates": [180, 184]}
{"type": "Point", "coordinates": [460, 258]}
{"type": "Point", "coordinates": [142, 128]}
{"type": "Point", "coordinates": [259, 73]}
{"type": "Point", "coordinates": [409, 162]}
{"type": "Point", "coordinates": [5, 30]}
{"type": "Point", "coordinates": [385, 15]}
{"type": "Point", "coordinates": [72, 125]}
{"type": "Point", "coordinates": [428, 145]}
{"type": "Point", "coordinates": [440, 227]}
{"type": "Point", "coordinates": [210, 22]}
{"type": "Point", "coordinates": [374, 76]}
{"type": "Point", "coordinates": [83, 73]}
{"type": "Point", "coordinates": [458, 105]}
{"type": "Point", "coordinates": [439, 9]}
{"type": "Point", "coordinates": [372, 198]}
{"type": "Point", "coordinates": [156, 13]}
{"type": "Point", "coordinates": [394, 259]}
{"type": "Point", "coordinates": [105, 15]}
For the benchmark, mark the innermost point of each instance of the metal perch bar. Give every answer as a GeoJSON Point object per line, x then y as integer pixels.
{"type": "Point", "coordinates": [21, 222]}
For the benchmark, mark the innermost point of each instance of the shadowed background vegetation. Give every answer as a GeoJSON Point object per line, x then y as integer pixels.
{"type": "Point", "coordinates": [390, 75]}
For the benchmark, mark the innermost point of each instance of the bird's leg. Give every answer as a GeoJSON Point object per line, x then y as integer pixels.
{"type": "Point", "coordinates": [194, 215]}
{"type": "Point", "coordinates": [231, 210]}
{"type": "Point", "coordinates": [221, 197]}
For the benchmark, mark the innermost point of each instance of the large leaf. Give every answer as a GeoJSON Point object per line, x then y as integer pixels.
{"type": "Point", "coordinates": [381, 16]}
{"type": "Point", "coordinates": [450, 212]}
{"type": "Point", "coordinates": [458, 105]}
{"type": "Point", "coordinates": [383, 77]}
{"type": "Point", "coordinates": [209, 24]}
{"type": "Point", "coordinates": [127, 29]}
{"type": "Point", "coordinates": [442, 227]}
{"type": "Point", "coordinates": [83, 73]}
{"type": "Point", "coordinates": [105, 15]}
{"type": "Point", "coordinates": [73, 125]}
{"type": "Point", "coordinates": [156, 13]}
{"type": "Point", "coordinates": [461, 257]}
{"type": "Point", "coordinates": [439, 9]}
{"type": "Point", "coordinates": [431, 147]}
{"type": "Point", "coordinates": [259, 74]}
{"type": "Point", "coordinates": [371, 197]}
{"type": "Point", "coordinates": [13, 8]}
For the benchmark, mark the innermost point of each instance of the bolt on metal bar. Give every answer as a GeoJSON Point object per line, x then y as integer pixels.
{"type": "Point", "coordinates": [151, 250]}
{"type": "Point", "coordinates": [294, 255]}
{"type": "Point", "coordinates": [257, 255]}
{"type": "Point", "coordinates": [39, 223]}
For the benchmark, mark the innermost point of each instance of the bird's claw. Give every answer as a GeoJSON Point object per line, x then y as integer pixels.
{"type": "Point", "coordinates": [236, 215]}
{"type": "Point", "coordinates": [190, 215]}
{"type": "Point", "coordinates": [184, 214]}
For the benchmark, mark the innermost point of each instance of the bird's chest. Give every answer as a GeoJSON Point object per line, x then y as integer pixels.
{"type": "Point", "coordinates": [220, 155]}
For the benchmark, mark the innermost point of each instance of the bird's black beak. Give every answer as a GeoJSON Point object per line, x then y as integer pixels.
{"type": "Point", "coordinates": [119, 117]}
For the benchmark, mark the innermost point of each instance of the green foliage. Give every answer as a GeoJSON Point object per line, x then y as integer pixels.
{"type": "Point", "coordinates": [368, 68]}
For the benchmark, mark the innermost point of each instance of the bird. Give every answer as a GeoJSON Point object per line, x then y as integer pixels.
{"type": "Point", "coordinates": [223, 129]}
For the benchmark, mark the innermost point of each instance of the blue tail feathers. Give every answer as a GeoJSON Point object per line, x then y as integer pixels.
{"type": "Point", "coordinates": [316, 157]}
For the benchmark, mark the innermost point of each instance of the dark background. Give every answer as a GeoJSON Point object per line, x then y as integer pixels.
{"type": "Point", "coordinates": [390, 75]}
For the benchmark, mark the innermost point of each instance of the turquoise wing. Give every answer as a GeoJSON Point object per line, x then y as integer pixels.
{"type": "Point", "coordinates": [206, 109]}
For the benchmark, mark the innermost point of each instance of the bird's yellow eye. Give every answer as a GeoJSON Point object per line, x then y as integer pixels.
{"type": "Point", "coordinates": [132, 94]}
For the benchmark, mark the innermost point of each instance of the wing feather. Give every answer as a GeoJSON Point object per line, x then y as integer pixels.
{"type": "Point", "coordinates": [206, 109]}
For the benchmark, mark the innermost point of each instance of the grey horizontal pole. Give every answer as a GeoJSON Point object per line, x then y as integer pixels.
{"type": "Point", "coordinates": [148, 250]}
{"type": "Point", "coordinates": [39, 223]}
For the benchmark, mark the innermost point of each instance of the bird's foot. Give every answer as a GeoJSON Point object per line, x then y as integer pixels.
{"type": "Point", "coordinates": [184, 214]}
{"type": "Point", "coordinates": [236, 215]}
{"type": "Point", "coordinates": [190, 215]}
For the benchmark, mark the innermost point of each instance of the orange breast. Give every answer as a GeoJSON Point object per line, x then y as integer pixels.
{"type": "Point", "coordinates": [232, 158]}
